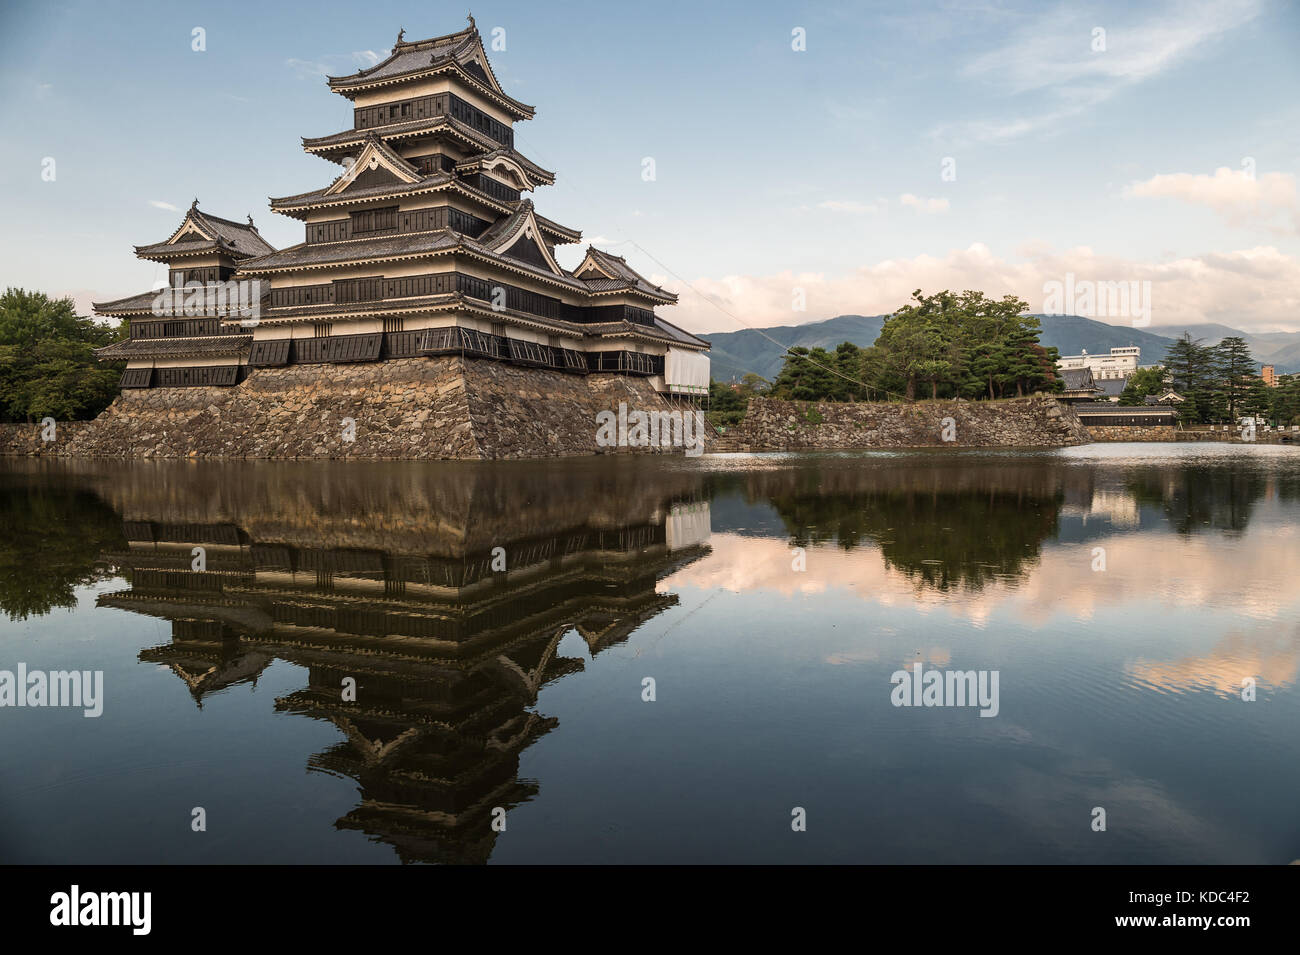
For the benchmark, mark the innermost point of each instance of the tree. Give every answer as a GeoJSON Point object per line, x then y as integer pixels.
{"type": "Point", "coordinates": [955, 346]}
{"type": "Point", "coordinates": [1143, 382]}
{"type": "Point", "coordinates": [1284, 402]}
{"type": "Point", "coordinates": [1188, 364]}
{"type": "Point", "coordinates": [919, 341]}
{"type": "Point", "coordinates": [729, 402]}
{"type": "Point", "coordinates": [847, 383]}
{"type": "Point", "coordinates": [1000, 348]}
{"type": "Point", "coordinates": [47, 362]}
{"type": "Point", "coordinates": [1256, 399]}
{"type": "Point", "coordinates": [800, 376]}
{"type": "Point", "coordinates": [873, 371]}
{"type": "Point", "coordinates": [1235, 368]}
{"type": "Point", "coordinates": [1192, 374]}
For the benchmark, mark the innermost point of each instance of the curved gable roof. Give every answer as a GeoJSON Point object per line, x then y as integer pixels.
{"type": "Point", "coordinates": [462, 52]}
{"type": "Point", "coordinates": [603, 272]}
{"type": "Point", "coordinates": [203, 232]}
{"type": "Point", "coordinates": [519, 231]}
{"type": "Point", "coordinates": [375, 155]}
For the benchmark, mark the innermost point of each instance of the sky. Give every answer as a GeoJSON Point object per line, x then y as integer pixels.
{"type": "Point", "coordinates": [808, 160]}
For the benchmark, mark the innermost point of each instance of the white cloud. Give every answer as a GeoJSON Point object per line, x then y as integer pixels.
{"type": "Point", "coordinates": [853, 207]}
{"type": "Point", "coordinates": [1056, 52]}
{"type": "Point", "coordinates": [1240, 198]}
{"type": "Point", "coordinates": [335, 64]}
{"type": "Point", "coordinates": [878, 206]}
{"type": "Point", "coordinates": [997, 131]}
{"type": "Point", "coordinates": [159, 204]}
{"type": "Point", "coordinates": [306, 68]}
{"type": "Point", "coordinates": [1256, 288]}
{"type": "Point", "coordinates": [928, 206]}
{"type": "Point", "coordinates": [1052, 61]}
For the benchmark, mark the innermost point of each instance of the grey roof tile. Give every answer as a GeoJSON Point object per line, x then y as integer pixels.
{"type": "Point", "coordinates": [361, 192]}
{"type": "Point", "coordinates": [626, 277]}
{"type": "Point", "coordinates": [238, 239]}
{"type": "Point", "coordinates": [174, 347]}
{"type": "Point", "coordinates": [371, 248]}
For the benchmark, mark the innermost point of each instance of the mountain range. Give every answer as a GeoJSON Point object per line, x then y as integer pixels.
{"type": "Point", "coordinates": [734, 354]}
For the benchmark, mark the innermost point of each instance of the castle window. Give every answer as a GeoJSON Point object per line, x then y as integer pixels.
{"type": "Point", "coordinates": [374, 220]}
{"type": "Point", "coordinates": [322, 329]}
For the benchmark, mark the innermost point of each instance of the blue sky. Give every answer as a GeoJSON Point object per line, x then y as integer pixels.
{"type": "Point", "coordinates": [1166, 153]}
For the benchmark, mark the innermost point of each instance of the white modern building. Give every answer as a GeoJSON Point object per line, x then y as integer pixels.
{"type": "Point", "coordinates": [1120, 363]}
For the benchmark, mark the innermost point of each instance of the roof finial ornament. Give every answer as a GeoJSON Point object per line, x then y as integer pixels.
{"type": "Point", "coordinates": [401, 32]}
{"type": "Point", "coordinates": [470, 18]}
{"type": "Point", "coordinates": [250, 220]}
{"type": "Point", "coordinates": [195, 204]}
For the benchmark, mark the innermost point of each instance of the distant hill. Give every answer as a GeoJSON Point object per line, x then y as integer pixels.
{"type": "Point", "coordinates": [736, 353]}
{"type": "Point", "coordinates": [1281, 349]}
{"type": "Point", "coordinates": [1286, 359]}
{"type": "Point", "coordinates": [1071, 334]}
{"type": "Point", "coordinates": [1211, 332]}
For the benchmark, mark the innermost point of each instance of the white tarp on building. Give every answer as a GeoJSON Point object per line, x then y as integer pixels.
{"type": "Point", "coordinates": [688, 525]}
{"type": "Point", "coordinates": [686, 372]}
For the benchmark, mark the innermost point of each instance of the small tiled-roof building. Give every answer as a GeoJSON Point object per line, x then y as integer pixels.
{"type": "Point", "coordinates": [179, 335]}
{"type": "Point", "coordinates": [1105, 413]}
{"type": "Point", "coordinates": [424, 244]}
{"type": "Point", "coordinates": [1079, 385]}
{"type": "Point", "coordinates": [1111, 388]}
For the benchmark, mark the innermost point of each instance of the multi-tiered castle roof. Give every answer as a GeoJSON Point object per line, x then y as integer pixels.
{"type": "Point", "coordinates": [427, 243]}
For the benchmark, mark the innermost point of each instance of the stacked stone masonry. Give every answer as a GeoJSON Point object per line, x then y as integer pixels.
{"type": "Point", "coordinates": [774, 425]}
{"type": "Point", "coordinates": [418, 408]}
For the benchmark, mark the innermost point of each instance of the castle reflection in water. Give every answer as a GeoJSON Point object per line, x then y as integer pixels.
{"type": "Point", "coordinates": [389, 574]}
{"type": "Point", "coordinates": [447, 654]}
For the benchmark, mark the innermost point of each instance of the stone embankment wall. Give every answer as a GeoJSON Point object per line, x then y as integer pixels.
{"type": "Point", "coordinates": [29, 439]}
{"type": "Point", "coordinates": [1112, 433]}
{"type": "Point", "coordinates": [774, 425]}
{"type": "Point", "coordinates": [440, 408]}
{"type": "Point", "coordinates": [1126, 432]}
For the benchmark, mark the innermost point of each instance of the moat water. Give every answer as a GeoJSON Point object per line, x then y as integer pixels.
{"type": "Point", "coordinates": [673, 660]}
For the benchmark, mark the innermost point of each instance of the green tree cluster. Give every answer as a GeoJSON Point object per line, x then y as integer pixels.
{"type": "Point", "coordinates": [814, 374]}
{"type": "Point", "coordinates": [943, 346]}
{"type": "Point", "coordinates": [728, 402]}
{"type": "Point", "coordinates": [1284, 400]}
{"type": "Point", "coordinates": [1220, 383]}
{"type": "Point", "coordinates": [47, 364]}
{"type": "Point", "coordinates": [1144, 382]}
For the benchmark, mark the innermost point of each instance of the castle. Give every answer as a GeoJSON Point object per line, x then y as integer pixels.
{"type": "Point", "coordinates": [424, 248]}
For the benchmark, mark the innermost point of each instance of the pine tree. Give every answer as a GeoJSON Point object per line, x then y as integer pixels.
{"type": "Point", "coordinates": [1191, 372]}
{"type": "Point", "coordinates": [1235, 368]}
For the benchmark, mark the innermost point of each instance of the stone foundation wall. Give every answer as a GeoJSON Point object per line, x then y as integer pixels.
{"type": "Point", "coordinates": [26, 439]}
{"type": "Point", "coordinates": [440, 408]}
{"type": "Point", "coordinates": [1111, 433]}
{"type": "Point", "coordinates": [1125, 432]}
{"type": "Point", "coordinates": [774, 425]}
